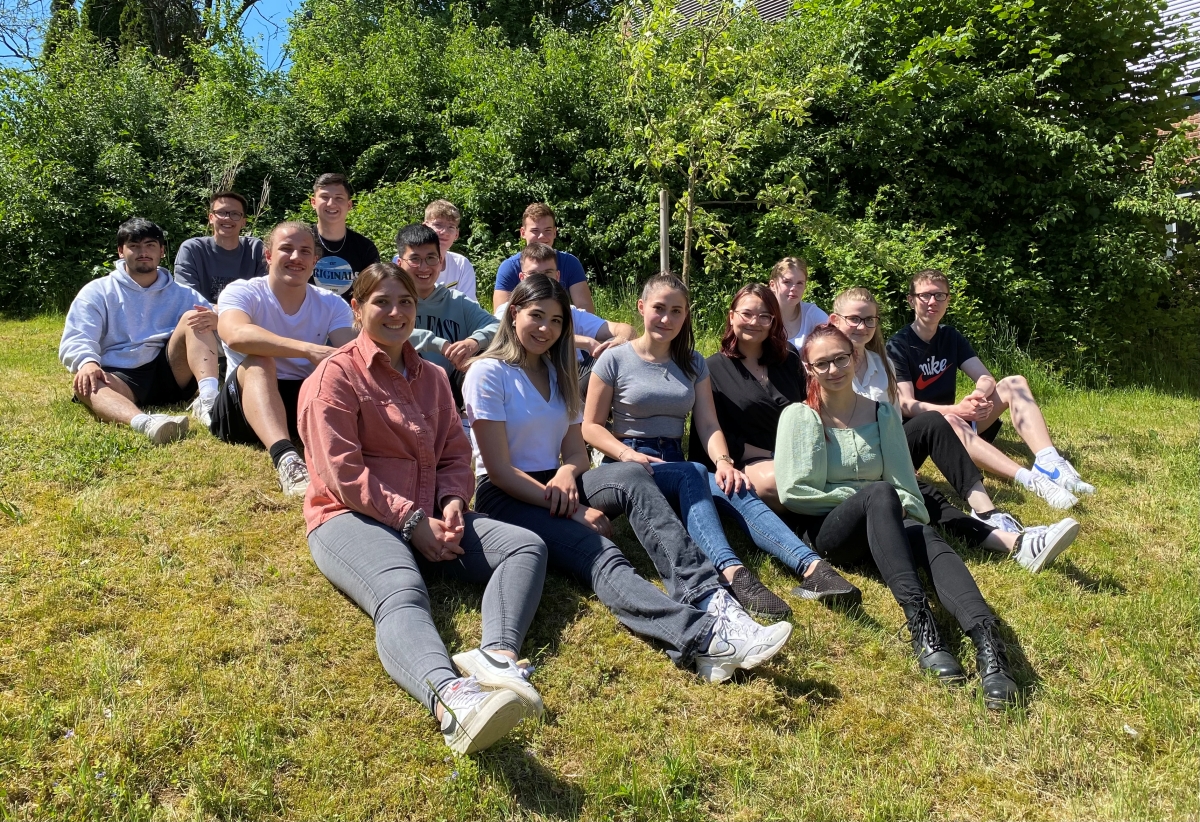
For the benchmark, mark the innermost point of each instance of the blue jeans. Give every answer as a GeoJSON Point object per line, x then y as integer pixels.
{"type": "Point", "coordinates": [693, 492]}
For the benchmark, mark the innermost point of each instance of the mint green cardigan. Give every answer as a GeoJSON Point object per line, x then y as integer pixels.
{"type": "Point", "coordinates": [801, 463]}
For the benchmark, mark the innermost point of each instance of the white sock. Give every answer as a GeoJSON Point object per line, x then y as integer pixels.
{"type": "Point", "coordinates": [1025, 477]}
{"type": "Point", "coordinates": [208, 390]}
{"type": "Point", "coordinates": [1049, 453]}
{"type": "Point", "coordinates": [140, 423]}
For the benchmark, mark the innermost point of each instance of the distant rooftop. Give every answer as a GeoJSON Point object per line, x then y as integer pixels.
{"type": "Point", "coordinates": [1186, 11]}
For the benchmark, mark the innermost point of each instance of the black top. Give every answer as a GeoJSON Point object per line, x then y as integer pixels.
{"type": "Point", "coordinates": [342, 260]}
{"type": "Point", "coordinates": [747, 411]}
{"type": "Point", "coordinates": [929, 366]}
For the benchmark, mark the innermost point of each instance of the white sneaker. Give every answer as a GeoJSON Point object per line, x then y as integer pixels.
{"type": "Point", "coordinates": [1001, 522]}
{"type": "Point", "coordinates": [293, 475]}
{"type": "Point", "coordinates": [1061, 472]}
{"type": "Point", "coordinates": [164, 428]}
{"type": "Point", "coordinates": [202, 411]}
{"type": "Point", "coordinates": [1040, 544]}
{"type": "Point", "coordinates": [499, 672]}
{"type": "Point", "coordinates": [476, 719]}
{"type": "Point", "coordinates": [738, 641]}
{"type": "Point", "coordinates": [1055, 495]}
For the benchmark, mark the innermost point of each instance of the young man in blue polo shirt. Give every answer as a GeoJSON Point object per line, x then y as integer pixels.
{"type": "Point", "coordinates": [538, 226]}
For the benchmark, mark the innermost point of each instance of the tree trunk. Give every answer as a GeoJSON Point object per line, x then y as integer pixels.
{"type": "Point", "coordinates": [687, 225]}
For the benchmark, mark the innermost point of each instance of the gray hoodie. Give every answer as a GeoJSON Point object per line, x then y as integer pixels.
{"type": "Point", "coordinates": [448, 315]}
{"type": "Point", "coordinates": [115, 322]}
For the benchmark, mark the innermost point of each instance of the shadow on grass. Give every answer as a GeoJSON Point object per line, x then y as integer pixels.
{"type": "Point", "coordinates": [534, 787]}
{"type": "Point", "coordinates": [816, 692]}
{"type": "Point", "coordinates": [1102, 584]}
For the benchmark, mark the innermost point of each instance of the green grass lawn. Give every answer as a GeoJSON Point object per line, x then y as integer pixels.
{"type": "Point", "coordinates": [169, 651]}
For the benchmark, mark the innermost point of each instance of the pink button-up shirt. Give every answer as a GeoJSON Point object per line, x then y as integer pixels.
{"type": "Point", "coordinates": [377, 442]}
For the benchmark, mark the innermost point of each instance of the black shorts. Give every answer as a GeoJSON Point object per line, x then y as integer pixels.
{"type": "Point", "coordinates": [154, 384]}
{"type": "Point", "coordinates": [229, 421]}
{"type": "Point", "coordinates": [990, 433]}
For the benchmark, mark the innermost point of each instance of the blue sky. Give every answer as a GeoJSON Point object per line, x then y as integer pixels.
{"type": "Point", "coordinates": [267, 21]}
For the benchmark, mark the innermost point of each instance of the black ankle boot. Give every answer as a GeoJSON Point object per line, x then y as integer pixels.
{"type": "Point", "coordinates": [991, 657]}
{"type": "Point", "coordinates": [932, 655]}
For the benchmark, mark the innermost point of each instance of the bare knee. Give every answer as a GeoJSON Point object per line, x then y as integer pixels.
{"type": "Point", "coordinates": [1015, 384]}
{"type": "Point", "coordinates": [960, 427]}
{"type": "Point", "coordinates": [260, 367]}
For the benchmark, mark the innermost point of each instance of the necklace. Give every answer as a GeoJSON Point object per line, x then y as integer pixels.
{"type": "Point", "coordinates": [337, 250]}
{"type": "Point", "coordinates": [852, 412]}
{"type": "Point", "coordinates": [764, 379]}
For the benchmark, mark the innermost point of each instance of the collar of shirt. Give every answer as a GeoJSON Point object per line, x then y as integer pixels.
{"type": "Point", "coordinates": [372, 353]}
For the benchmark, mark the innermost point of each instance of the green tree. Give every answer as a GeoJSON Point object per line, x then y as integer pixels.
{"type": "Point", "coordinates": [64, 20]}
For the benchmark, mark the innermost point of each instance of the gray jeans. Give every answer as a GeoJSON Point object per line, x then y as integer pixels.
{"type": "Point", "coordinates": [369, 562]}
{"type": "Point", "coordinates": [672, 619]}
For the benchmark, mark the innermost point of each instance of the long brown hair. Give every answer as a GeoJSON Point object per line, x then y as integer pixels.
{"type": "Point", "coordinates": [507, 348]}
{"type": "Point", "coordinates": [875, 344]}
{"type": "Point", "coordinates": [775, 346]}
{"type": "Point", "coordinates": [816, 396]}
{"type": "Point", "coordinates": [683, 347]}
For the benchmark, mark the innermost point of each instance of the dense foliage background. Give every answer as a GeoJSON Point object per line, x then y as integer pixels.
{"type": "Point", "coordinates": [1031, 150]}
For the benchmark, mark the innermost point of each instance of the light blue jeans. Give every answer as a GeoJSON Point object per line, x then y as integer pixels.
{"type": "Point", "coordinates": [693, 492]}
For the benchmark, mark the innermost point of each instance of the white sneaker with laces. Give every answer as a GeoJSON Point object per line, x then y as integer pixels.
{"type": "Point", "coordinates": [1055, 495]}
{"type": "Point", "coordinates": [1061, 472]}
{"type": "Point", "coordinates": [738, 641]}
{"type": "Point", "coordinates": [202, 412]}
{"type": "Point", "coordinates": [474, 719]}
{"type": "Point", "coordinates": [164, 428]}
{"type": "Point", "coordinates": [499, 672]}
{"type": "Point", "coordinates": [1040, 544]}
{"type": "Point", "coordinates": [1001, 522]}
{"type": "Point", "coordinates": [293, 475]}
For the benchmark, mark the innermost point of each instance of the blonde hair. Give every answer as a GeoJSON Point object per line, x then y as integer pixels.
{"type": "Point", "coordinates": [444, 209]}
{"type": "Point", "coordinates": [875, 344]}
{"type": "Point", "coordinates": [789, 264]}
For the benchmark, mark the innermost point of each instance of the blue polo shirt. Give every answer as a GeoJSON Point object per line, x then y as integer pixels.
{"type": "Point", "coordinates": [570, 271]}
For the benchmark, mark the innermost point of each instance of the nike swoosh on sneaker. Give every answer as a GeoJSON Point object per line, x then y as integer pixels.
{"type": "Point", "coordinates": [727, 650]}
{"type": "Point", "coordinates": [498, 665]}
{"type": "Point", "coordinates": [1053, 476]}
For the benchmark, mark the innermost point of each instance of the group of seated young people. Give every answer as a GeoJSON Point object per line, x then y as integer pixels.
{"type": "Point", "coordinates": [433, 439]}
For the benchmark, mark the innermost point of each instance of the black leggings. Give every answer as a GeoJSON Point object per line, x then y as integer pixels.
{"type": "Point", "coordinates": [870, 528]}
{"type": "Point", "coordinates": [931, 437]}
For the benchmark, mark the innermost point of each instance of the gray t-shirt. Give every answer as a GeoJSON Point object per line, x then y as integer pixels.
{"type": "Point", "coordinates": [649, 399]}
{"type": "Point", "coordinates": [208, 268]}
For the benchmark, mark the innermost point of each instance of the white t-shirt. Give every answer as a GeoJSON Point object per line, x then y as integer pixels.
{"type": "Point", "coordinates": [459, 274]}
{"type": "Point", "coordinates": [810, 318]}
{"type": "Point", "coordinates": [586, 323]}
{"type": "Point", "coordinates": [321, 313]}
{"type": "Point", "coordinates": [535, 428]}
{"type": "Point", "coordinates": [874, 383]}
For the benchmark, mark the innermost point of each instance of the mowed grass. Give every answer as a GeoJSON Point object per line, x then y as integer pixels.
{"type": "Point", "coordinates": [169, 651]}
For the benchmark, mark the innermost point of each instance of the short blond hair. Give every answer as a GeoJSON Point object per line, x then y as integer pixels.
{"type": "Point", "coordinates": [789, 264]}
{"type": "Point", "coordinates": [928, 275]}
{"type": "Point", "coordinates": [537, 211]}
{"type": "Point", "coordinates": [444, 209]}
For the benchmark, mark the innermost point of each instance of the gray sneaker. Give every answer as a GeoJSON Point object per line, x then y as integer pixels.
{"type": "Point", "coordinates": [164, 428]}
{"type": "Point", "coordinates": [1001, 522]}
{"type": "Point", "coordinates": [293, 475]}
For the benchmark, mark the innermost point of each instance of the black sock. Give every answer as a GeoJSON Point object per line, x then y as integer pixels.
{"type": "Point", "coordinates": [985, 514]}
{"type": "Point", "coordinates": [280, 449]}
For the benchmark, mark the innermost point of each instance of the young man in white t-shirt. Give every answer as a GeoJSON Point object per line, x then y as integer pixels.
{"type": "Point", "coordinates": [593, 334]}
{"type": "Point", "coordinates": [457, 272]}
{"type": "Point", "coordinates": [275, 330]}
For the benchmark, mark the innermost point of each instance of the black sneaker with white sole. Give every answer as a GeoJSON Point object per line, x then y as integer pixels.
{"type": "Point", "coordinates": [826, 584]}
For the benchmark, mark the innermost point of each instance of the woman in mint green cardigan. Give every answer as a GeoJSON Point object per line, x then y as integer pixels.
{"type": "Point", "coordinates": [842, 464]}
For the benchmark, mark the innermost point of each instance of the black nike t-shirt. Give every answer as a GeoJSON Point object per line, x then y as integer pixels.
{"type": "Point", "coordinates": [929, 366]}
{"type": "Point", "coordinates": [342, 260]}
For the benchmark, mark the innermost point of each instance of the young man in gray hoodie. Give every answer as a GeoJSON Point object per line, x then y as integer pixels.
{"type": "Point", "coordinates": [137, 338]}
{"type": "Point", "coordinates": [450, 328]}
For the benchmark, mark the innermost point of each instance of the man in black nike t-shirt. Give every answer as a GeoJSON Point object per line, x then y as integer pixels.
{"type": "Point", "coordinates": [927, 356]}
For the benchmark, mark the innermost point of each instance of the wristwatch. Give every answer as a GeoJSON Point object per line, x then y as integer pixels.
{"type": "Point", "coordinates": [414, 519]}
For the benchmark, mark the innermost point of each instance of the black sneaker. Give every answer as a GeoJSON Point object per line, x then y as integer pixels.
{"type": "Point", "coordinates": [824, 583]}
{"type": "Point", "coordinates": [755, 597]}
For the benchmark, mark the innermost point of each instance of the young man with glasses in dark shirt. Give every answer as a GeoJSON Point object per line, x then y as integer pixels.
{"type": "Point", "coordinates": [926, 356]}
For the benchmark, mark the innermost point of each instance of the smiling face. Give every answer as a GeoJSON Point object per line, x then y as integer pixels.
{"type": "Point", "coordinates": [291, 256]}
{"type": "Point", "coordinates": [447, 231]}
{"type": "Point", "coordinates": [751, 320]}
{"type": "Point", "coordinates": [546, 267]}
{"type": "Point", "coordinates": [853, 320]}
{"type": "Point", "coordinates": [423, 263]}
{"type": "Point", "coordinates": [227, 218]}
{"type": "Point", "coordinates": [538, 325]}
{"type": "Point", "coordinates": [834, 354]}
{"type": "Point", "coordinates": [332, 204]}
{"type": "Point", "coordinates": [142, 256]}
{"type": "Point", "coordinates": [388, 315]}
{"type": "Point", "coordinates": [541, 230]}
{"type": "Point", "coordinates": [663, 311]}
{"type": "Point", "coordinates": [789, 287]}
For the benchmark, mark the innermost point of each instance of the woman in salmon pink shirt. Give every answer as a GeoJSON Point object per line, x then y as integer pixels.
{"type": "Point", "coordinates": [391, 475]}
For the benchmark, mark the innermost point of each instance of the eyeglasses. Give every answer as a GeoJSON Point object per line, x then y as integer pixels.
{"type": "Point", "coordinates": [940, 296]}
{"type": "Point", "coordinates": [432, 261]}
{"type": "Point", "coordinates": [228, 215]}
{"type": "Point", "coordinates": [855, 322]}
{"type": "Point", "coordinates": [822, 366]}
{"type": "Point", "coordinates": [750, 317]}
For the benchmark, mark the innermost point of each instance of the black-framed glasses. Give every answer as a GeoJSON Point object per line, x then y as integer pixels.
{"type": "Point", "coordinates": [939, 296]}
{"type": "Point", "coordinates": [228, 215]}
{"type": "Point", "coordinates": [855, 322]}
{"type": "Point", "coordinates": [432, 261]}
{"type": "Point", "coordinates": [822, 366]}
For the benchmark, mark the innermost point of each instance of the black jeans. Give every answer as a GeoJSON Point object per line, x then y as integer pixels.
{"type": "Point", "coordinates": [670, 619]}
{"type": "Point", "coordinates": [931, 437]}
{"type": "Point", "coordinates": [870, 528]}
